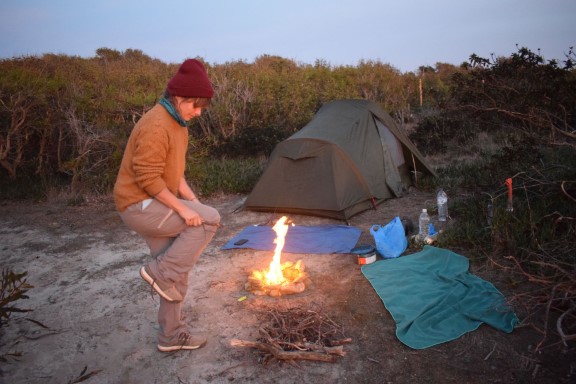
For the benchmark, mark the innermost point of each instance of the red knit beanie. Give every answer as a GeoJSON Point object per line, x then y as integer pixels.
{"type": "Point", "coordinates": [191, 80]}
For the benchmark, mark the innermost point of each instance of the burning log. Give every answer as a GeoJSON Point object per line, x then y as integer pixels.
{"type": "Point", "coordinates": [295, 280]}
{"type": "Point", "coordinates": [279, 279]}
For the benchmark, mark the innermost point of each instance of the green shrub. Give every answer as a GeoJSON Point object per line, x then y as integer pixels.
{"type": "Point", "coordinates": [13, 287]}
{"type": "Point", "coordinates": [543, 213]}
{"type": "Point", "coordinates": [211, 176]}
{"type": "Point", "coordinates": [251, 142]}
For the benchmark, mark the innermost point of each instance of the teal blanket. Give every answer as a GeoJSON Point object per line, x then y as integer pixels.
{"type": "Point", "coordinates": [433, 298]}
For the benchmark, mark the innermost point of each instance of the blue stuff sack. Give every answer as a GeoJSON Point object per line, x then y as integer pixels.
{"type": "Point", "coordinates": [391, 239]}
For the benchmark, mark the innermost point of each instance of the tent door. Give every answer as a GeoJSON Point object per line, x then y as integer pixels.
{"type": "Point", "coordinates": [393, 158]}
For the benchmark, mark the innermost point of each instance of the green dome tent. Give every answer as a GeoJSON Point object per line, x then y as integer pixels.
{"type": "Point", "coordinates": [349, 158]}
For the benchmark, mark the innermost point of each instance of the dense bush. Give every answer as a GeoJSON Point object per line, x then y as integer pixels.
{"type": "Point", "coordinates": [231, 175]}
{"type": "Point", "coordinates": [521, 96]}
{"type": "Point", "coordinates": [64, 120]}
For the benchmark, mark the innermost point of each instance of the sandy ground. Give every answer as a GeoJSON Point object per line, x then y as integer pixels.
{"type": "Point", "coordinates": [100, 317]}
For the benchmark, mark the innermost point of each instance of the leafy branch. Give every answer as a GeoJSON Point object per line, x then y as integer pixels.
{"type": "Point", "coordinates": [13, 287]}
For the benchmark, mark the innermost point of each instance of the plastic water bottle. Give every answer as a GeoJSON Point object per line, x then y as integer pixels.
{"type": "Point", "coordinates": [423, 225]}
{"type": "Point", "coordinates": [442, 202]}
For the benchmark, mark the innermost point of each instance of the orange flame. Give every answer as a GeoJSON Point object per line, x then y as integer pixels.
{"type": "Point", "coordinates": [274, 275]}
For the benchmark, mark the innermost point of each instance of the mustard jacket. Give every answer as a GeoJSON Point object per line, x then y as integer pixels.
{"type": "Point", "coordinates": [154, 158]}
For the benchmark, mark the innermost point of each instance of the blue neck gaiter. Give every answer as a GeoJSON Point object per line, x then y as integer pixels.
{"type": "Point", "coordinates": [172, 111]}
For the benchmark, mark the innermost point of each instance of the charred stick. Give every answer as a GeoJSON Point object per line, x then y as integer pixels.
{"type": "Point", "coordinates": [284, 355]}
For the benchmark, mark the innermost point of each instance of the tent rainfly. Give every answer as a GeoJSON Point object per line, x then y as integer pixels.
{"type": "Point", "coordinates": [349, 158]}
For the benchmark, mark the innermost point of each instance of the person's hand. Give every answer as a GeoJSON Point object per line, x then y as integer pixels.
{"type": "Point", "coordinates": [190, 217]}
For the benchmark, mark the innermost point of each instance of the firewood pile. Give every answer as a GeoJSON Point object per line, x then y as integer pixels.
{"type": "Point", "coordinates": [297, 334]}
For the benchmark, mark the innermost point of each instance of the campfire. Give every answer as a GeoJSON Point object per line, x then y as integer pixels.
{"type": "Point", "coordinates": [280, 278]}
{"type": "Point", "coordinates": [295, 333]}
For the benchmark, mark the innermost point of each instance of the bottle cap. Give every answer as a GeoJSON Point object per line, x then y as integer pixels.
{"type": "Point", "coordinates": [424, 210]}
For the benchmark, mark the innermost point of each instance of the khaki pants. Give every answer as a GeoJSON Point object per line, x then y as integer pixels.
{"type": "Point", "coordinates": [175, 248]}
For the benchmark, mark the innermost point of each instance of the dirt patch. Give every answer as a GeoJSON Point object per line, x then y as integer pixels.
{"type": "Point", "coordinates": [101, 317]}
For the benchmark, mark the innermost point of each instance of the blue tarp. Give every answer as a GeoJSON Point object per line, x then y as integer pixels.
{"type": "Point", "coordinates": [433, 298]}
{"type": "Point", "coordinates": [300, 239]}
